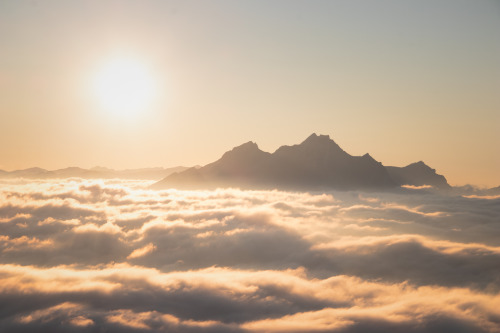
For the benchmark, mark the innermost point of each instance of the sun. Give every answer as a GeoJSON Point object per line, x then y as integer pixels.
{"type": "Point", "coordinates": [124, 87]}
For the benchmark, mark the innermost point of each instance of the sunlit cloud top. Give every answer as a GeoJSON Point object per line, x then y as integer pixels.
{"type": "Point", "coordinates": [85, 255]}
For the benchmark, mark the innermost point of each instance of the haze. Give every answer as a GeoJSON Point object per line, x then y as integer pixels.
{"type": "Point", "coordinates": [249, 166]}
{"type": "Point", "coordinates": [402, 80]}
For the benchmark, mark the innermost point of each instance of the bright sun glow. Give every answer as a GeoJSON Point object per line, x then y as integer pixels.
{"type": "Point", "coordinates": [124, 87]}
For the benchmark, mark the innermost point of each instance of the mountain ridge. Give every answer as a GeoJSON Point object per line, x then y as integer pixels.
{"type": "Point", "coordinates": [92, 173]}
{"type": "Point", "coordinates": [318, 162]}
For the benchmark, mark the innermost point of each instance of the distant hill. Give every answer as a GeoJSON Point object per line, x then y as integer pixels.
{"type": "Point", "coordinates": [493, 191]}
{"type": "Point", "coordinates": [93, 173]}
{"type": "Point", "coordinates": [417, 174]}
{"type": "Point", "coordinates": [317, 163]}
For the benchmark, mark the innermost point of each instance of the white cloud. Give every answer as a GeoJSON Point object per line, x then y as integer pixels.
{"type": "Point", "coordinates": [79, 254]}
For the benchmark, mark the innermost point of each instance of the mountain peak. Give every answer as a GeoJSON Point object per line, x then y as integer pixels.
{"type": "Point", "coordinates": [314, 138]}
{"type": "Point", "coordinates": [321, 144]}
{"type": "Point", "coordinates": [420, 165]}
{"type": "Point", "coordinates": [247, 147]}
{"type": "Point", "coordinates": [368, 157]}
{"type": "Point", "coordinates": [418, 174]}
{"type": "Point", "coordinates": [244, 151]}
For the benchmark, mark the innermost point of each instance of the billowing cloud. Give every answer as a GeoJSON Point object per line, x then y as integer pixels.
{"type": "Point", "coordinates": [87, 256]}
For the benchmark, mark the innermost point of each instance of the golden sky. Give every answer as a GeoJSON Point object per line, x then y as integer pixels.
{"type": "Point", "coordinates": [402, 80]}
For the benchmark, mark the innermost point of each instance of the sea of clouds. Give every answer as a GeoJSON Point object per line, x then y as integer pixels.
{"type": "Point", "coordinates": [112, 256]}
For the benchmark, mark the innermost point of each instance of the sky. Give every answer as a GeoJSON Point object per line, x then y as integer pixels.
{"type": "Point", "coordinates": [402, 80]}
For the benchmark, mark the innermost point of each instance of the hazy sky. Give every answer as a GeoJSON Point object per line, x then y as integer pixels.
{"type": "Point", "coordinates": [402, 80]}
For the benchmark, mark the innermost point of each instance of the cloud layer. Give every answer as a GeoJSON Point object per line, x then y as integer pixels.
{"type": "Point", "coordinates": [88, 256]}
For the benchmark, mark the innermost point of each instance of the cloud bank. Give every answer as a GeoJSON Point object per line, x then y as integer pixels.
{"type": "Point", "coordinates": [92, 256]}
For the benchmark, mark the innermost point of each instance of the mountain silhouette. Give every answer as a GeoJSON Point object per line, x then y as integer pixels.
{"type": "Point", "coordinates": [28, 173]}
{"type": "Point", "coordinates": [318, 163]}
{"type": "Point", "coordinates": [93, 173]}
{"type": "Point", "coordinates": [493, 191]}
{"type": "Point", "coordinates": [417, 174]}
